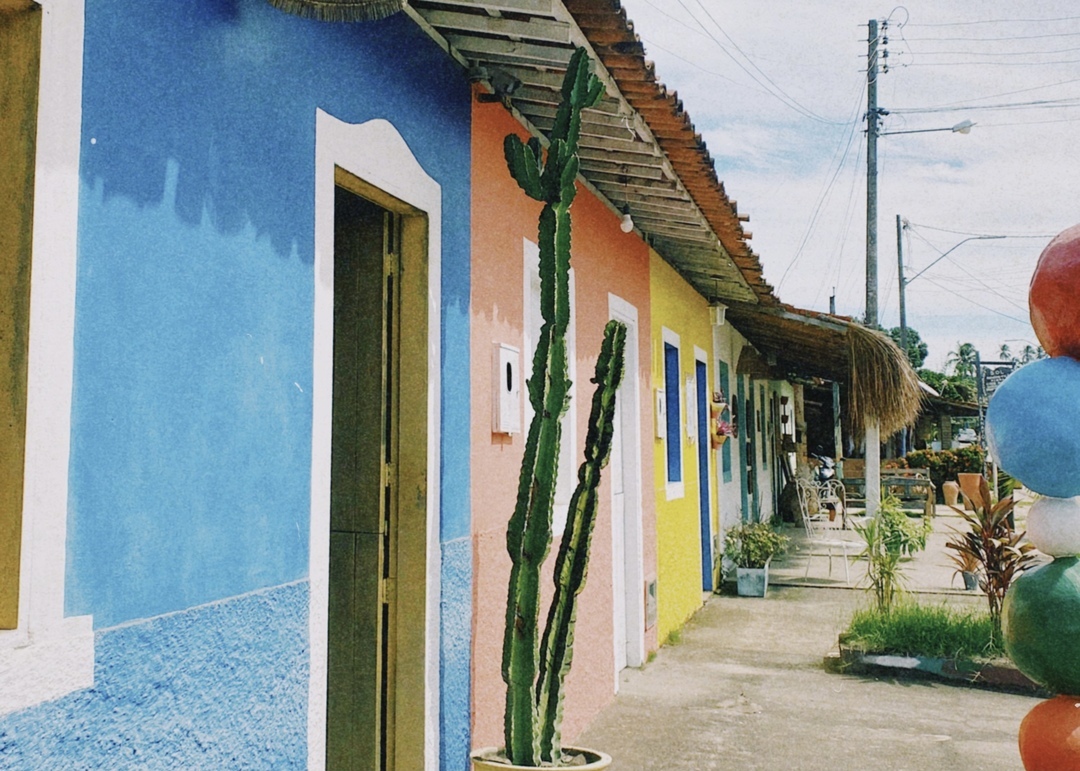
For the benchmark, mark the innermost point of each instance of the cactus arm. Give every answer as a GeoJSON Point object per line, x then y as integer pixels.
{"type": "Point", "coordinates": [524, 164]}
{"type": "Point", "coordinates": [571, 565]}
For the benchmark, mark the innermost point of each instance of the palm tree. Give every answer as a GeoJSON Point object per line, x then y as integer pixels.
{"type": "Point", "coordinates": [1004, 353]}
{"type": "Point", "coordinates": [962, 360]}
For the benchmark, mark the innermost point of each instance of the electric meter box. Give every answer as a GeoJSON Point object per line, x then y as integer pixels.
{"type": "Point", "coordinates": [506, 390]}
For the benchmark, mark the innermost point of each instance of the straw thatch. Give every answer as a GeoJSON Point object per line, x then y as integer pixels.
{"type": "Point", "coordinates": [883, 385]}
{"type": "Point", "coordinates": [340, 10]}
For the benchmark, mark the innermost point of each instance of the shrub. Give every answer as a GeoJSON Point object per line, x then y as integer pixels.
{"type": "Point", "coordinates": [944, 465]}
{"type": "Point", "coordinates": [752, 544]}
{"type": "Point", "coordinates": [925, 630]}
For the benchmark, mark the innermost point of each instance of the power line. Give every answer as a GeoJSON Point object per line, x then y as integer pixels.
{"type": "Point", "coordinates": [965, 102]}
{"type": "Point", "coordinates": [1039, 104]}
{"type": "Point", "coordinates": [969, 233]}
{"type": "Point", "coordinates": [828, 185]}
{"type": "Point", "coordinates": [779, 93]}
{"type": "Point", "coordinates": [996, 39]}
{"type": "Point", "coordinates": [997, 21]}
{"type": "Point", "coordinates": [954, 293]}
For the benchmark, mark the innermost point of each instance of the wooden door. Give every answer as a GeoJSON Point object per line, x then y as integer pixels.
{"type": "Point", "coordinates": [363, 516]}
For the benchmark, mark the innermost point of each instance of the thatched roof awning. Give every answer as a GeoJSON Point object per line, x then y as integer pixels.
{"type": "Point", "coordinates": [880, 381]}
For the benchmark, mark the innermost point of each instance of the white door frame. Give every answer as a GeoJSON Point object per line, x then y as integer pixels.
{"type": "Point", "coordinates": [633, 575]}
{"type": "Point", "coordinates": [376, 153]}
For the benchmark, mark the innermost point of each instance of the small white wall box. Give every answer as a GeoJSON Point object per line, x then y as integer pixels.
{"type": "Point", "coordinates": [661, 414]}
{"type": "Point", "coordinates": [506, 390]}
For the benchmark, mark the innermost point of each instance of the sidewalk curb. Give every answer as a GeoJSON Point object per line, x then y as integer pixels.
{"type": "Point", "coordinates": [991, 676]}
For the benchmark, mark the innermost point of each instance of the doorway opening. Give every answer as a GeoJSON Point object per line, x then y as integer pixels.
{"type": "Point", "coordinates": [378, 519]}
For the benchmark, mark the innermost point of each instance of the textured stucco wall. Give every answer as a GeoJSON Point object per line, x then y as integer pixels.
{"type": "Point", "coordinates": [219, 686]}
{"type": "Point", "coordinates": [192, 414]}
{"type": "Point", "coordinates": [676, 306]}
{"type": "Point", "coordinates": [604, 260]}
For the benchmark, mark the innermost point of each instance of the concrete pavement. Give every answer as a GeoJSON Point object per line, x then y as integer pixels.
{"type": "Point", "coordinates": [745, 689]}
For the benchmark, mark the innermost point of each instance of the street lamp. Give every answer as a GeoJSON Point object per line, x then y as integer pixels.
{"type": "Point", "coordinates": [900, 224]}
{"type": "Point", "coordinates": [963, 127]}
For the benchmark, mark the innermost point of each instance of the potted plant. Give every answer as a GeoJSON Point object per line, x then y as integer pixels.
{"type": "Point", "coordinates": [535, 665]}
{"type": "Point", "coordinates": [967, 564]}
{"type": "Point", "coordinates": [721, 431]}
{"type": "Point", "coordinates": [751, 547]}
{"type": "Point", "coordinates": [992, 543]}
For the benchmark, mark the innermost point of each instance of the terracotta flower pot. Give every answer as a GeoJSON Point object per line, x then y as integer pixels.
{"type": "Point", "coordinates": [951, 490]}
{"type": "Point", "coordinates": [490, 759]}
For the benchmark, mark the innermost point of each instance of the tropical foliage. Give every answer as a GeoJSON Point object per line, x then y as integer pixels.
{"type": "Point", "coordinates": [890, 537]}
{"type": "Point", "coordinates": [991, 542]}
{"type": "Point", "coordinates": [911, 629]}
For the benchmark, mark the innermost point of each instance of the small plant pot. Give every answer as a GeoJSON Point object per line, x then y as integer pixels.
{"type": "Point", "coordinates": [492, 759]}
{"type": "Point", "coordinates": [752, 582]}
{"type": "Point", "coordinates": [718, 441]}
{"type": "Point", "coordinates": [971, 580]}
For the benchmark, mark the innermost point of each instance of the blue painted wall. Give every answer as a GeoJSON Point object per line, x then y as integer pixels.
{"type": "Point", "coordinates": [157, 700]}
{"type": "Point", "coordinates": [191, 423]}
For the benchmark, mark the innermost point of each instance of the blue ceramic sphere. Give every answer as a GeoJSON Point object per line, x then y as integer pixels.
{"type": "Point", "coordinates": [1033, 426]}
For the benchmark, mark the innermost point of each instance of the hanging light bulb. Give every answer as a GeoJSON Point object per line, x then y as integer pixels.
{"type": "Point", "coordinates": [627, 222]}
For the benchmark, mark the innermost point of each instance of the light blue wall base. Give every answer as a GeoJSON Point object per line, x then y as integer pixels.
{"type": "Point", "coordinates": [456, 619]}
{"type": "Point", "coordinates": [221, 686]}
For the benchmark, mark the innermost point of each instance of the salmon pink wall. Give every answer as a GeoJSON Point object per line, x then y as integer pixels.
{"type": "Point", "coordinates": [604, 260]}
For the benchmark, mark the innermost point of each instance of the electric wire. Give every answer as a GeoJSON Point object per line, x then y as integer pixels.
{"type": "Point", "coordinates": [779, 93]}
{"type": "Point", "coordinates": [831, 179]}
{"type": "Point", "coordinates": [952, 292]}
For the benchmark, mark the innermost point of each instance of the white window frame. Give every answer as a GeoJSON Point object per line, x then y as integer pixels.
{"type": "Point", "coordinates": [567, 474]}
{"type": "Point", "coordinates": [674, 490]}
{"type": "Point", "coordinates": [49, 655]}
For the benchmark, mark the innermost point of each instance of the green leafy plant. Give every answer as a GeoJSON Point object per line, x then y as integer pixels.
{"type": "Point", "coordinates": [535, 666]}
{"type": "Point", "coordinates": [753, 544]}
{"type": "Point", "coordinates": [911, 629]}
{"type": "Point", "coordinates": [890, 536]}
{"type": "Point", "coordinates": [993, 545]}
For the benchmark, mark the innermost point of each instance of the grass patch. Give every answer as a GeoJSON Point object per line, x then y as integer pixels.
{"type": "Point", "coordinates": [925, 630]}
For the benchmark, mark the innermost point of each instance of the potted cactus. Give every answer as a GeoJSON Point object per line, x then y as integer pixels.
{"type": "Point", "coordinates": [535, 665]}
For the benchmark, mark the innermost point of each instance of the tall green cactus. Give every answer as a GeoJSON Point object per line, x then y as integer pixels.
{"type": "Point", "coordinates": [549, 179]}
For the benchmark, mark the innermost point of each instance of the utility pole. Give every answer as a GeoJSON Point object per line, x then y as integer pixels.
{"type": "Point", "coordinates": [873, 434]}
{"type": "Point", "coordinates": [900, 274]}
{"type": "Point", "coordinates": [871, 173]}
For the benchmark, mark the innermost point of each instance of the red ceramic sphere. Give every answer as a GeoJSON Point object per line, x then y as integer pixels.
{"type": "Point", "coordinates": [1055, 286]}
{"type": "Point", "coordinates": [1050, 735]}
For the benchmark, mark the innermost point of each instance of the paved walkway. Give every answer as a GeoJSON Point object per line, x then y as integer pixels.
{"type": "Point", "coordinates": [745, 689]}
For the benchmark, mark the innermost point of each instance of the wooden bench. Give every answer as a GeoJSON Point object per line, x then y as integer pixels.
{"type": "Point", "coordinates": [906, 485]}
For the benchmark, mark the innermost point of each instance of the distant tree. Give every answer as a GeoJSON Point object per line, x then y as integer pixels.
{"type": "Point", "coordinates": [1005, 354]}
{"type": "Point", "coordinates": [962, 360]}
{"type": "Point", "coordinates": [935, 380]}
{"type": "Point", "coordinates": [916, 348]}
{"type": "Point", "coordinates": [961, 389]}
{"type": "Point", "coordinates": [1030, 353]}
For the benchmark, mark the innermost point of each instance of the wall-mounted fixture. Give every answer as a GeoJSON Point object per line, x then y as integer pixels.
{"type": "Point", "coordinates": [717, 314]}
{"type": "Point", "coordinates": [502, 83]}
{"type": "Point", "coordinates": [506, 390]}
{"type": "Point", "coordinates": [661, 414]}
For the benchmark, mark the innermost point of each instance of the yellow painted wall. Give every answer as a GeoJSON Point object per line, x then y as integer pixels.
{"type": "Point", "coordinates": [676, 306]}
{"type": "Point", "coordinates": [20, 40]}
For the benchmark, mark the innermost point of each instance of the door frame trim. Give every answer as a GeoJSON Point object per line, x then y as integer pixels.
{"type": "Point", "coordinates": [621, 310]}
{"type": "Point", "coordinates": [377, 154]}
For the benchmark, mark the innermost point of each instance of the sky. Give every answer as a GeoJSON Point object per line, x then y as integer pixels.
{"type": "Point", "coordinates": [778, 91]}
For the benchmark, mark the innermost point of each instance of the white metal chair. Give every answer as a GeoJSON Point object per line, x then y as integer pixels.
{"type": "Point", "coordinates": [832, 494]}
{"type": "Point", "coordinates": [809, 496]}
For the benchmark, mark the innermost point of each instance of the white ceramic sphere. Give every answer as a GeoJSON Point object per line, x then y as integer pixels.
{"type": "Point", "coordinates": [1053, 525]}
